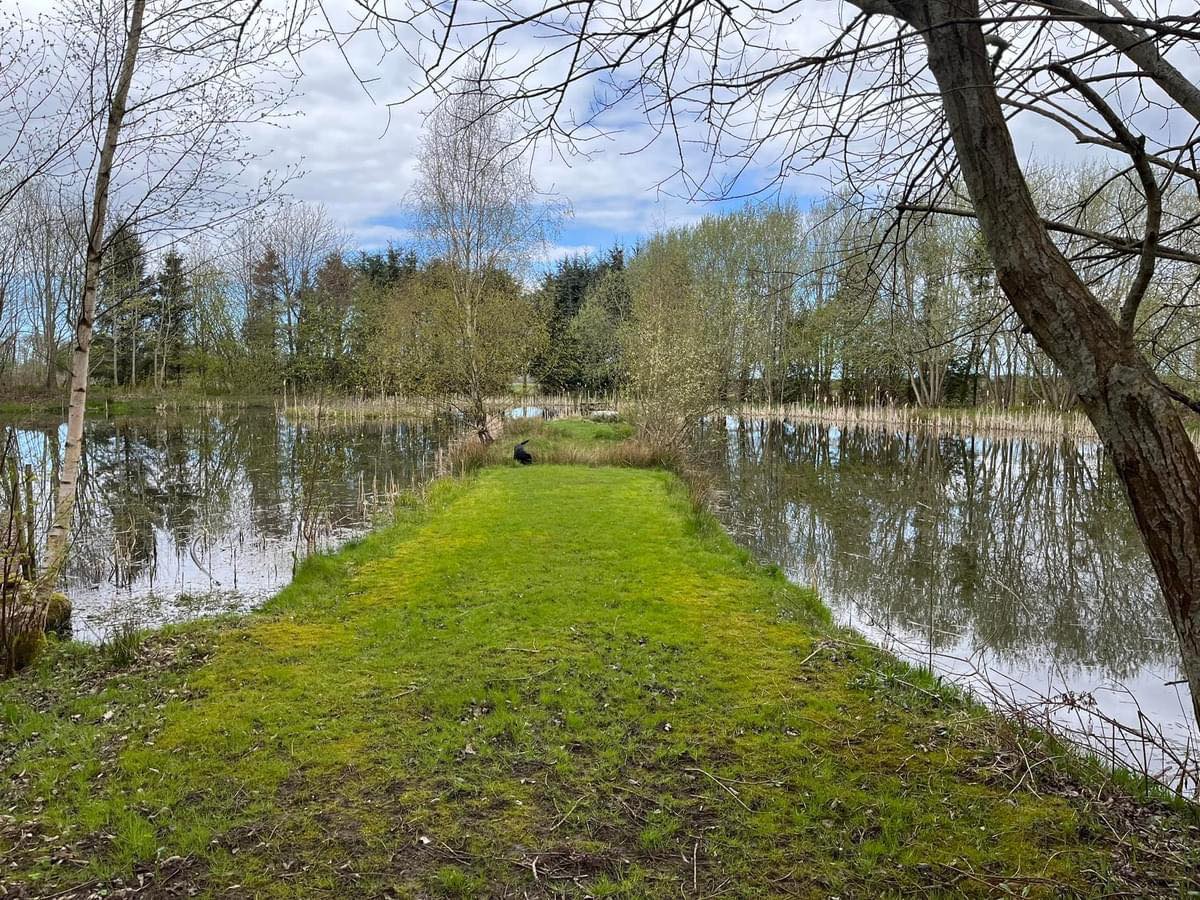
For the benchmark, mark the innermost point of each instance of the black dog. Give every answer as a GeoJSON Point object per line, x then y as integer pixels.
{"type": "Point", "coordinates": [521, 455]}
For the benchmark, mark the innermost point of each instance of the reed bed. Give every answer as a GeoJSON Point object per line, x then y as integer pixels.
{"type": "Point", "coordinates": [351, 410]}
{"type": "Point", "coordinates": [980, 421]}
{"type": "Point", "coordinates": [389, 407]}
{"type": "Point", "coordinates": [1046, 424]}
{"type": "Point", "coordinates": [630, 454]}
{"type": "Point", "coordinates": [469, 454]}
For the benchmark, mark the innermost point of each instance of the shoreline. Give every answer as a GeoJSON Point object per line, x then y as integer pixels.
{"type": "Point", "coordinates": [982, 421]}
{"type": "Point", "coordinates": [323, 699]}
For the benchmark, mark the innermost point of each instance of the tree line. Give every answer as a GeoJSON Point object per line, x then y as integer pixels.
{"type": "Point", "coordinates": [768, 303]}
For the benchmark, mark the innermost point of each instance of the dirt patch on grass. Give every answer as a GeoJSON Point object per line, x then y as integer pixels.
{"type": "Point", "coordinates": [173, 877]}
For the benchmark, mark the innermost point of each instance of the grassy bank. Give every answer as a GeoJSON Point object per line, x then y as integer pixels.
{"type": "Point", "coordinates": [543, 681]}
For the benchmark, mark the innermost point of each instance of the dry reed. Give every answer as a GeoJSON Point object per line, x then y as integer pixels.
{"type": "Point", "coordinates": [981, 421]}
{"type": "Point", "coordinates": [1037, 423]}
{"type": "Point", "coordinates": [388, 407]}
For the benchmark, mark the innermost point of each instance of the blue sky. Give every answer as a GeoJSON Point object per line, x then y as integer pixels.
{"type": "Point", "coordinates": [358, 150]}
{"type": "Point", "coordinates": [358, 156]}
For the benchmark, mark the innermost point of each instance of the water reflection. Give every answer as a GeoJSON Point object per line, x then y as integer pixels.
{"type": "Point", "coordinates": [187, 515]}
{"type": "Point", "coordinates": [1017, 556]}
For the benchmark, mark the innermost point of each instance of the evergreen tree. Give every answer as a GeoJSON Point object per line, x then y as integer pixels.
{"type": "Point", "coordinates": [260, 327]}
{"type": "Point", "coordinates": [168, 319]}
{"type": "Point", "coordinates": [322, 351]}
{"type": "Point", "coordinates": [389, 267]}
{"type": "Point", "coordinates": [561, 297]}
{"type": "Point", "coordinates": [124, 288]}
{"type": "Point", "coordinates": [595, 332]}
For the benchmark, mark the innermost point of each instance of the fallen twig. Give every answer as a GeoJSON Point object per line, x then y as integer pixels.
{"type": "Point", "coordinates": [732, 793]}
{"type": "Point", "coordinates": [565, 815]}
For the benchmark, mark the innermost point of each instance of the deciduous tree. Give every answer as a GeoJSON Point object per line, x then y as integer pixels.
{"type": "Point", "coordinates": [481, 216]}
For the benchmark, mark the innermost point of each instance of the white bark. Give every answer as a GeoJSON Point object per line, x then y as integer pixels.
{"type": "Point", "coordinates": [60, 530]}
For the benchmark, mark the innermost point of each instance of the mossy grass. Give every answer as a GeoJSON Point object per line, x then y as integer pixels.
{"type": "Point", "coordinates": [537, 681]}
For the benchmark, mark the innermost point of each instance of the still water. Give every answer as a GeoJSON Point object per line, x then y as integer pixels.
{"type": "Point", "coordinates": [1010, 565]}
{"type": "Point", "coordinates": [193, 514]}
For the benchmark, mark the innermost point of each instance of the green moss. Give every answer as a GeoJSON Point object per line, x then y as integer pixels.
{"type": "Point", "coordinates": [58, 611]}
{"type": "Point", "coordinates": [24, 649]}
{"type": "Point", "coordinates": [452, 881]}
{"type": "Point", "coordinates": [538, 676]}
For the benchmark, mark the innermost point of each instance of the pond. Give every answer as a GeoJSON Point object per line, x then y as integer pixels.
{"type": "Point", "coordinates": [1011, 565]}
{"type": "Point", "coordinates": [196, 513]}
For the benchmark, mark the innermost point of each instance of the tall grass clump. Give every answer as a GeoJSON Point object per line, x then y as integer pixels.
{"type": "Point", "coordinates": [564, 442]}
{"type": "Point", "coordinates": [123, 645]}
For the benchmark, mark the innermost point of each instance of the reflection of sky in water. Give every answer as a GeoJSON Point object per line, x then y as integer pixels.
{"type": "Point", "coordinates": [194, 514]}
{"type": "Point", "coordinates": [1017, 558]}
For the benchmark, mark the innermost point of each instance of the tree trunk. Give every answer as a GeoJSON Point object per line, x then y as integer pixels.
{"type": "Point", "coordinates": [1138, 423]}
{"type": "Point", "coordinates": [479, 418]}
{"type": "Point", "coordinates": [51, 339]}
{"type": "Point", "coordinates": [60, 529]}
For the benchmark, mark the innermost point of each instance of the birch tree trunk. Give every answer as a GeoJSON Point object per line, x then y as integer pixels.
{"type": "Point", "coordinates": [60, 529]}
{"type": "Point", "coordinates": [51, 336]}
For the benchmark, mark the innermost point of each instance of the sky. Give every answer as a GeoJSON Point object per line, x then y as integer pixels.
{"type": "Point", "coordinates": [356, 146]}
{"type": "Point", "coordinates": [358, 153]}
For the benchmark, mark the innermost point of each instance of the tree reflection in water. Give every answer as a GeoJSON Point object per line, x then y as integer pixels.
{"type": "Point", "coordinates": [1017, 555]}
{"type": "Point", "coordinates": [188, 514]}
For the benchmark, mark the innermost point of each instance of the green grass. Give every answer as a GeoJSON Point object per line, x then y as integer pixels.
{"type": "Point", "coordinates": [578, 435]}
{"type": "Point", "coordinates": [585, 430]}
{"type": "Point", "coordinates": [543, 681]}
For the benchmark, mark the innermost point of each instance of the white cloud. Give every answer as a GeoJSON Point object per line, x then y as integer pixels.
{"type": "Point", "coordinates": [358, 153]}
{"type": "Point", "coordinates": [357, 159]}
{"type": "Point", "coordinates": [556, 252]}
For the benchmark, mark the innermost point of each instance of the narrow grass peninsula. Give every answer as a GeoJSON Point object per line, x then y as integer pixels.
{"type": "Point", "coordinates": [556, 680]}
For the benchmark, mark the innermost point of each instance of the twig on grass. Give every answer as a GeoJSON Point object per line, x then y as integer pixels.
{"type": "Point", "coordinates": [565, 815]}
{"type": "Point", "coordinates": [732, 793]}
{"type": "Point", "coordinates": [820, 646]}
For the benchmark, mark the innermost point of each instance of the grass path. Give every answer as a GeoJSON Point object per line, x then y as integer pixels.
{"type": "Point", "coordinates": [541, 682]}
